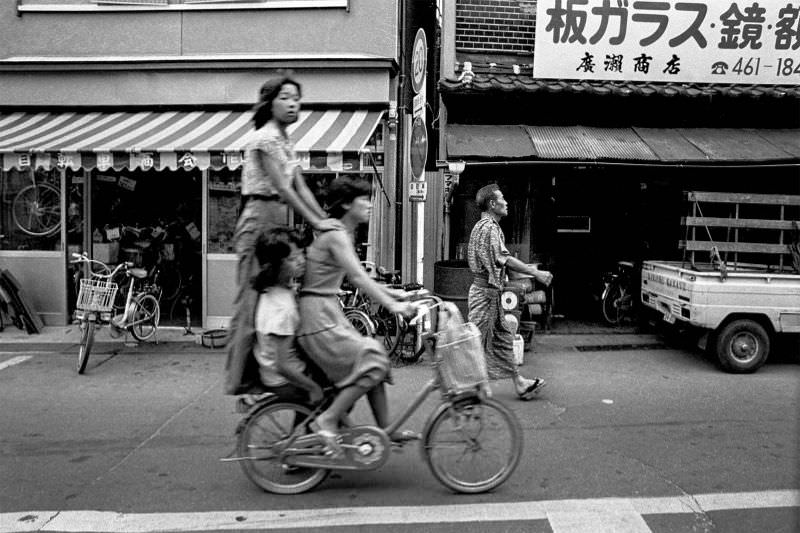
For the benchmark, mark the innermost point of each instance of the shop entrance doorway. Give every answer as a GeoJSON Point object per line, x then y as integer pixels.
{"type": "Point", "coordinates": [153, 219]}
{"type": "Point", "coordinates": [598, 222]}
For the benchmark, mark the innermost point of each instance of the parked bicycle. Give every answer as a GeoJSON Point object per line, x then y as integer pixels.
{"type": "Point", "coordinates": [471, 443]}
{"type": "Point", "coordinates": [619, 296]}
{"type": "Point", "coordinates": [403, 343]}
{"type": "Point", "coordinates": [140, 316]}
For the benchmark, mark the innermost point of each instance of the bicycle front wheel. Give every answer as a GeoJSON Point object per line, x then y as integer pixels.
{"type": "Point", "coordinates": [146, 315]}
{"type": "Point", "coordinates": [36, 210]}
{"type": "Point", "coordinates": [85, 348]}
{"type": "Point", "coordinates": [259, 444]}
{"type": "Point", "coordinates": [473, 447]}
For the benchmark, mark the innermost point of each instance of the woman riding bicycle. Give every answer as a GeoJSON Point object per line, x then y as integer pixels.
{"type": "Point", "coordinates": [355, 364]}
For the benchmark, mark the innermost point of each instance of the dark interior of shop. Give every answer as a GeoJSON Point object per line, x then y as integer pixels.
{"type": "Point", "coordinates": [578, 221]}
{"type": "Point", "coordinates": [154, 220]}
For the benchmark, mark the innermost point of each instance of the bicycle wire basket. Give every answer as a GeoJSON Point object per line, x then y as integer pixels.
{"type": "Point", "coordinates": [96, 295]}
{"type": "Point", "coordinates": [462, 364]}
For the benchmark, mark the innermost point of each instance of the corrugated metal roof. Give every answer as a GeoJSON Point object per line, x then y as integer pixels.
{"type": "Point", "coordinates": [786, 140]}
{"type": "Point", "coordinates": [585, 143]}
{"type": "Point", "coordinates": [669, 145]}
{"type": "Point", "coordinates": [581, 143]}
{"type": "Point", "coordinates": [495, 141]}
{"type": "Point", "coordinates": [559, 143]}
{"type": "Point", "coordinates": [729, 144]}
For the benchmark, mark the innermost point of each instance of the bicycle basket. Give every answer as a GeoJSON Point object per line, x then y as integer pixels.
{"type": "Point", "coordinates": [459, 347]}
{"type": "Point", "coordinates": [96, 295]}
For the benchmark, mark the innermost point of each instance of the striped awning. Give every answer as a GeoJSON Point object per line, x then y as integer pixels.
{"type": "Point", "coordinates": [325, 140]}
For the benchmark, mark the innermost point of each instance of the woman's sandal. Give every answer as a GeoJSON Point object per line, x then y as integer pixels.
{"type": "Point", "coordinates": [332, 442]}
{"type": "Point", "coordinates": [404, 436]}
{"type": "Point", "coordinates": [532, 389]}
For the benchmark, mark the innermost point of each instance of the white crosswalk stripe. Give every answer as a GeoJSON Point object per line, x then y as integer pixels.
{"type": "Point", "coordinates": [620, 515]}
{"type": "Point", "coordinates": [13, 361]}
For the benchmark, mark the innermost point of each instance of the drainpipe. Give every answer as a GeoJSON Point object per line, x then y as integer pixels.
{"type": "Point", "coordinates": [447, 63]}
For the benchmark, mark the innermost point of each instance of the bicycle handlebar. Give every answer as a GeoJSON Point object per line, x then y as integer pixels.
{"type": "Point", "coordinates": [421, 299]}
{"type": "Point", "coordinates": [83, 258]}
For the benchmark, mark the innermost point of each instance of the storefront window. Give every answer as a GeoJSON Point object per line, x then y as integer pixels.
{"type": "Point", "coordinates": [30, 212]}
{"type": "Point", "coordinates": [224, 201]}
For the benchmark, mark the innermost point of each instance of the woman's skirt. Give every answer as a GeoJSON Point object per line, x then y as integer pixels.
{"type": "Point", "coordinates": [333, 344]}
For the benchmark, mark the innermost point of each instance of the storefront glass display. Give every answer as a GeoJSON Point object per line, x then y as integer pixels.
{"type": "Point", "coordinates": [30, 214]}
{"type": "Point", "coordinates": [224, 202]}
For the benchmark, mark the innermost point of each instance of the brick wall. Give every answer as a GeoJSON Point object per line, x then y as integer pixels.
{"type": "Point", "coordinates": [495, 26]}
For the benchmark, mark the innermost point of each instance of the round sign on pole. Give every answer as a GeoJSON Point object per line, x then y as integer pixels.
{"type": "Point", "coordinates": [419, 61]}
{"type": "Point", "coordinates": [419, 148]}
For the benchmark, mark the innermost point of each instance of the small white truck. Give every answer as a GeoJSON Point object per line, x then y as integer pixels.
{"type": "Point", "coordinates": [741, 306]}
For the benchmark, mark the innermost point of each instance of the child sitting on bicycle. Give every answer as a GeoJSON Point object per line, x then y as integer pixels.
{"type": "Point", "coordinates": [281, 368]}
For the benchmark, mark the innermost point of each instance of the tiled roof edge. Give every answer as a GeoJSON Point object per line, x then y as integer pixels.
{"type": "Point", "coordinates": [504, 82]}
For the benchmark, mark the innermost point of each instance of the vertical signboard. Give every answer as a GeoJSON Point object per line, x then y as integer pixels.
{"type": "Point", "coordinates": [419, 132]}
{"type": "Point", "coordinates": [706, 41]}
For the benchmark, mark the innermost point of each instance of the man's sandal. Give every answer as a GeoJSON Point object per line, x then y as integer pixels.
{"type": "Point", "coordinates": [532, 390]}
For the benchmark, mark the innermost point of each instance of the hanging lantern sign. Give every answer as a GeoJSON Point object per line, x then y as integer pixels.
{"type": "Point", "coordinates": [188, 161]}
{"type": "Point", "coordinates": [146, 161]}
{"type": "Point", "coordinates": [104, 161]}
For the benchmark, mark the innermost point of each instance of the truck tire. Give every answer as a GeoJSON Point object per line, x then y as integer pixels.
{"type": "Point", "coordinates": [742, 346]}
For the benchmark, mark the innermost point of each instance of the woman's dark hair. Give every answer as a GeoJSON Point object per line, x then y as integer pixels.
{"type": "Point", "coordinates": [271, 249]}
{"type": "Point", "coordinates": [262, 111]}
{"type": "Point", "coordinates": [343, 190]}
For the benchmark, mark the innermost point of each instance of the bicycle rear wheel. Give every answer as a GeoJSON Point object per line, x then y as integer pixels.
{"type": "Point", "coordinates": [611, 304]}
{"type": "Point", "coordinates": [473, 447]}
{"type": "Point", "coordinates": [85, 348]}
{"type": "Point", "coordinates": [146, 315]}
{"type": "Point", "coordinates": [361, 322]}
{"type": "Point", "coordinates": [258, 445]}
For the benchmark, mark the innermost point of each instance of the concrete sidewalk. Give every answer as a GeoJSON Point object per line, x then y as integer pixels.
{"type": "Point", "coordinates": [56, 337]}
{"type": "Point", "coordinates": [60, 337]}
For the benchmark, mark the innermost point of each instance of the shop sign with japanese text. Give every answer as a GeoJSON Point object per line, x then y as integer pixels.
{"type": "Point", "coordinates": [707, 41]}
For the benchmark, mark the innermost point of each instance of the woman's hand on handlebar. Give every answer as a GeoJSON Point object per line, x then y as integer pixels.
{"type": "Point", "coordinates": [404, 308]}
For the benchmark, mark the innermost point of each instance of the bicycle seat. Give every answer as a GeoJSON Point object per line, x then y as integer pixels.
{"type": "Point", "coordinates": [138, 273]}
{"type": "Point", "coordinates": [625, 264]}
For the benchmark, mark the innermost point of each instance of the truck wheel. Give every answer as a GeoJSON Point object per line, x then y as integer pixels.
{"type": "Point", "coordinates": [742, 346]}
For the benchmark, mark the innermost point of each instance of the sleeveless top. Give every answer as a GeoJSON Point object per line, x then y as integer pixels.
{"type": "Point", "coordinates": [323, 276]}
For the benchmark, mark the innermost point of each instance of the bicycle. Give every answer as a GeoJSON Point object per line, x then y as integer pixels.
{"type": "Point", "coordinates": [467, 431]}
{"type": "Point", "coordinates": [617, 300]}
{"type": "Point", "coordinates": [140, 317]}
{"type": "Point", "coordinates": [402, 342]}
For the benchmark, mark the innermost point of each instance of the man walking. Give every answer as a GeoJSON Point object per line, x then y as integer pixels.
{"type": "Point", "coordinates": [488, 261]}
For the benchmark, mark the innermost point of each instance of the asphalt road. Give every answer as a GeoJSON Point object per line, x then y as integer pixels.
{"type": "Point", "coordinates": [624, 439]}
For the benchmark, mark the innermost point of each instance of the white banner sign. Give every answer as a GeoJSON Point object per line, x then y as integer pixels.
{"type": "Point", "coordinates": [709, 41]}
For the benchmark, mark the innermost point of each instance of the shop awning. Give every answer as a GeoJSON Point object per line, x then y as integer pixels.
{"type": "Point", "coordinates": [325, 140]}
{"type": "Point", "coordinates": [581, 143]}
